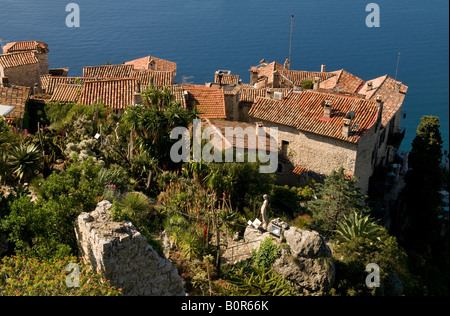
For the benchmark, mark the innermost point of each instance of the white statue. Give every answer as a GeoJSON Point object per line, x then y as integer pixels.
{"type": "Point", "coordinates": [264, 211]}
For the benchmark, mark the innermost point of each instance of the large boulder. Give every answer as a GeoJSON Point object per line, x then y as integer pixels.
{"type": "Point", "coordinates": [307, 263]}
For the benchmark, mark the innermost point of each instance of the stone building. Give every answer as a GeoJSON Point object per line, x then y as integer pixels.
{"type": "Point", "coordinates": [153, 63]}
{"type": "Point", "coordinates": [40, 50]}
{"type": "Point", "coordinates": [320, 131]}
{"type": "Point", "coordinates": [21, 69]}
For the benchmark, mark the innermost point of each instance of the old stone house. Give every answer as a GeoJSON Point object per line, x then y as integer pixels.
{"type": "Point", "coordinates": [40, 50]}
{"type": "Point", "coordinates": [21, 69]}
{"type": "Point", "coordinates": [320, 131]}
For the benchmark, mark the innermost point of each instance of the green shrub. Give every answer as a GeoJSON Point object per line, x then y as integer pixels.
{"type": "Point", "coordinates": [266, 255]}
{"type": "Point", "coordinates": [21, 276]}
{"type": "Point", "coordinates": [260, 282]}
{"type": "Point", "coordinates": [303, 222]}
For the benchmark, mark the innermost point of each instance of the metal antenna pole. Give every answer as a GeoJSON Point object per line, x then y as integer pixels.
{"type": "Point", "coordinates": [396, 70]}
{"type": "Point", "coordinates": [290, 47]}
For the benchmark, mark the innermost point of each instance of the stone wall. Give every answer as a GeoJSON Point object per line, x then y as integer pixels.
{"type": "Point", "coordinates": [26, 75]}
{"type": "Point", "coordinates": [123, 256]}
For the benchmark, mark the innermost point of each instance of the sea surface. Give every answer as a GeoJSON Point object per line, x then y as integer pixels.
{"type": "Point", "coordinates": [203, 36]}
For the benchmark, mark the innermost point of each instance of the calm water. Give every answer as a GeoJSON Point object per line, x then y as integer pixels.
{"type": "Point", "coordinates": [204, 36]}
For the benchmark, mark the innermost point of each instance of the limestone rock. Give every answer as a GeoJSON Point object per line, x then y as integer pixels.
{"type": "Point", "coordinates": [123, 256]}
{"type": "Point", "coordinates": [309, 266]}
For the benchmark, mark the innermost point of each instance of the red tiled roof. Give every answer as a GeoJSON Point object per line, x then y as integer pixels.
{"type": "Point", "coordinates": [299, 170]}
{"type": "Point", "coordinates": [114, 93]}
{"type": "Point", "coordinates": [343, 81]}
{"type": "Point", "coordinates": [108, 71]}
{"type": "Point", "coordinates": [50, 82]}
{"type": "Point", "coordinates": [66, 93]}
{"type": "Point", "coordinates": [227, 79]}
{"type": "Point", "coordinates": [178, 93]}
{"type": "Point", "coordinates": [304, 111]}
{"type": "Point", "coordinates": [210, 102]}
{"type": "Point", "coordinates": [297, 76]}
{"type": "Point", "coordinates": [17, 59]}
{"type": "Point", "coordinates": [249, 94]}
{"type": "Point", "coordinates": [25, 46]}
{"type": "Point", "coordinates": [153, 63]}
{"type": "Point", "coordinates": [160, 78]}
{"type": "Point", "coordinates": [17, 97]}
{"type": "Point", "coordinates": [392, 93]}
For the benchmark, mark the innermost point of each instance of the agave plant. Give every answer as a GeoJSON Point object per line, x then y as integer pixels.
{"type": "Point", "coordinates": [356, 225]}
{"type": "Point", "coordinates": [135, 204]}
{"type": "Point", "coordinates": [24, 161]}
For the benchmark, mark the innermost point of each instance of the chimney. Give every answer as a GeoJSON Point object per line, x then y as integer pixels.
{"type": "Point", "coordinates": [347, 128]}
{"type": "Point", "coordinates": [259, 129]}
{"type": "Point", "coordinates": [263, 62]}
{"type": "Point", "coordinates": [379, 100]}
{"type": "Point", "coordinates": [287, 64]}
{"type": "Point", "coordinates": [316, 83]}
{"type": "Point", "coordinates": [276, 80]}
{"type": "Point", "coordinates": [369, 85]}
{"type": "Point", "coordinates": [253, 77]}
{"type": "Point", "coordinates": [269, 94]}
{"type": "Point", "coordinates": [4, 82]}
{"type": "Point", "coordinates": [347, 124]}
{"type": "Point", "coordinates": [220, 76]}
{"type": "Point", "coordinates": [36, 89]}
{"type": "Point", "coordinates": [277, 95]}
{"type": "Point", "coordinates": [327, 106]}
{"type": "Point", "coordinates": [322, 68]}
{"type": "Point", "coordinates": [137, 98]}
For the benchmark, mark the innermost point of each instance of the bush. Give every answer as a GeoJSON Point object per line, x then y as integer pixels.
{"type": "Point", "coordinates": [304, 222]}
{"type": "Point", "coordinates": [266, 255]}
{"type": "Point", "coordinates": [20, 276]}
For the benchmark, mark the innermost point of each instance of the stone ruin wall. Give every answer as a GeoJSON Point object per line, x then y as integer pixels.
{"type": "Point", "coordinates": [123, 256]}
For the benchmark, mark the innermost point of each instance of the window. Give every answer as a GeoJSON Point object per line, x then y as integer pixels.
{"type": "Point", "coordinates": [280, 168]}
{"type": "Point", "coordinates": [284, 148]}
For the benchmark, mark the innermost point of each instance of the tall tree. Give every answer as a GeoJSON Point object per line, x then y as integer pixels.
{"type": "Point", "coordinates": [416, 221]}
{"type": "Point", "coordinates": [338, 197]}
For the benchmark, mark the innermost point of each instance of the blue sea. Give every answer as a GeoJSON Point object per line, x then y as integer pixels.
{"type": "Point", "coordinates": [203, 36]}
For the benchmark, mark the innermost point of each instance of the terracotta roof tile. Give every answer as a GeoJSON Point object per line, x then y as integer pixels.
{"type": "Point", "coordinates": [299, 170]}
{"type": "Point", "coordinates": [153, 63]}
{"type": "Point", "coordinates": [298, 76]}
{"type": "Point", "coordinates": [392, 93]}
{"type": "Point", "coordinates": [178, 93]}
{"type": "Point", "coordinates": [17, 97]}
{"type": "Point", "coordinates": [159, 78]}
{"type": "Point", "coordinates": [249, 94]}
{"type": "Point", "coordinates": [343, 81]}
{"type": "Point", "coordinates": [114, 93]}
{"type": "Point", "coordinates": [25, 46]}
{"type": "Point", "coordinates": [50, 82]}
{"type": "Point", "coordinates": [210, 102]}
{"type": "Point", "coordinates": [17, 59]}
{"type": "Point", "coordinates": [66, 93]}
{"type": "Point", "coordinates": [227, 79]}
{"type": "Point", "coordinates": [108, 71]}
{"type": "Point", "coordinates": [304, 111]}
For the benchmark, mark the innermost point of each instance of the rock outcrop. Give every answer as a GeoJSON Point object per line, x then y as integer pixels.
{"type": "Point", "coordinates": [308, 264]}
{"type": "Point", "coordinates": [123, 256]}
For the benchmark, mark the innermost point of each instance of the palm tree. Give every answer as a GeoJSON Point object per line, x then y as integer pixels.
{"type": "Point", "coordinates": [356, 225]}
{"type": "Point", "coordinates": [24, 161]}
